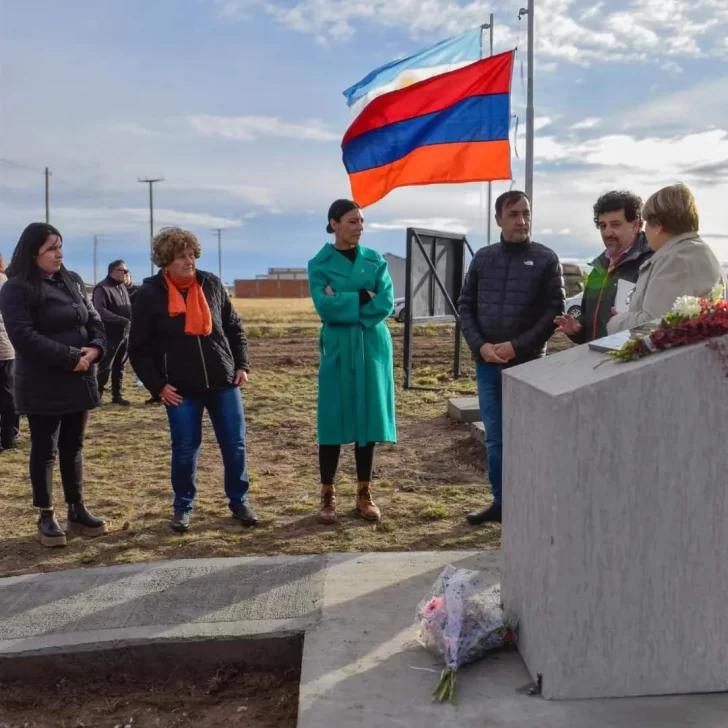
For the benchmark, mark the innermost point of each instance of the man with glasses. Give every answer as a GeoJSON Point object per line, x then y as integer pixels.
{"type": "Point", "coordinates": [111, 300]}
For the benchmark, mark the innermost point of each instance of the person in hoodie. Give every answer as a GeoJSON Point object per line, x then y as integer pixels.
{"type": "Point", "coordinates": [618, 217]}
{"type": "Point", "coordinates": [683, 264]}
{"type": "Point", "coordinates": [188, 345]}
{"type": "Point", "coordinates": [111, 300]}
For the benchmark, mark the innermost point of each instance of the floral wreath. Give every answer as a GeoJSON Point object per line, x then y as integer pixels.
{"type": "Point", "coordinates": [689, 321]}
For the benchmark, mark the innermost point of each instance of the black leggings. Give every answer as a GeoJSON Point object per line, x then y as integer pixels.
{"type": "Point", "coordinates": [62, 436]}
{"type": "Point", "coordinates": [329, 462]}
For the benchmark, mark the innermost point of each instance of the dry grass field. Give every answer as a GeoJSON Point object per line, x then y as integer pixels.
{"type": "Point", "coordinates": [424, 485]}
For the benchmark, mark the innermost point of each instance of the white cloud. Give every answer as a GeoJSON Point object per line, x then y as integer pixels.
{"type": "Point", "coordinates": [249, 128]}
{"type": "Point", "coordinates": [542, 122]}
{"type": "Point", "coordinates": [448, 224]}
{"type": "Point", "coordinates": [588, 123]}
{"type": "Point", "coordinates": [566, 30]}
{"type": "Point", "coordinates": [132, 129]}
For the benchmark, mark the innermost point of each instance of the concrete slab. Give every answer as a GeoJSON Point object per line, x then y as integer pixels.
{"type": "Point", "coordinates": [464, 409]}
{"type": "Point", "coordinates": [361, 666]}
{"type": "Point", "coordinates": [477, 432]}
{"type": "Point", "coordinates": [613, 564]}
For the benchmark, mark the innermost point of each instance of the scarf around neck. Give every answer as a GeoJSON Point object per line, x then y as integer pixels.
{"type": "Point", "coordinates": [196, 310]}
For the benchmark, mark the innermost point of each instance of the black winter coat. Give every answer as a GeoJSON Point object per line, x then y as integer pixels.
{"type": "Point", "coordinates": [48, 332]}
{"type": "Point", "coordinates": [512, 293]}
{"type": "Point", "coordinates": [111, 299]}
{"type": "Point", "coordinates": [161, 353]}
{"type": "Point", "coordinates": [601, 289]}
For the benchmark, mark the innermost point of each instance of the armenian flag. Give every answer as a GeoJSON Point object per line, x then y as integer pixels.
{"type": "Point", "coordinates": [447, 55]}
{"type": "Point", "coordinates": [450, 128]}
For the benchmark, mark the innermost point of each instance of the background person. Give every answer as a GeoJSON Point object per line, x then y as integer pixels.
{"type": "Point", "coordinates": [111, 299]}
{"type": "Point", "coordinates": [353, 294]}
{"type": "Point", "coordinates": [187, 344]}
{"type": "Point", "coordinates": [618, 216]}
{"type": "Point", "coordinates": [683, 265]}
{"type": "Point", "coordinates": [57, 336]}
{"type": "Point", "coordinates": [512, 293]}
{"type": "Point", "coordinates": [9, 420]}
{"type": "Point", "coordinates": [132, 288]}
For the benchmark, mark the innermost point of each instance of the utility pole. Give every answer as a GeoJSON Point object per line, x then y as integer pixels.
{"type": "Point", "coordinates": [47, 194]}
{"type": "Point", "coordinates": [151, 182]}
{"type": "Point", "coordinates": [529, 100]}
{"type": "Point", "coordinates": [219, 232]}
{"type": "Point", "coordinates": [488, 214]}
{"type": "Point", "coordinates": [96, 259]}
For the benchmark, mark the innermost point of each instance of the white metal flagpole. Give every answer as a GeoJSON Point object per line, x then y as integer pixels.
{"type": "Point", "coordinates": [488, 215]}
{"type": "Point", "coordinates": [529, 105]}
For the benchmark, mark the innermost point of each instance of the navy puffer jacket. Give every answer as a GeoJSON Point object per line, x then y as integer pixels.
{"type": "Point", "coordinates": [512, 293]}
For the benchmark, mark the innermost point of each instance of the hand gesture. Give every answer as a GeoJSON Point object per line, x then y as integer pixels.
{"type": "Point", "coordinates": [169, 396]}
{"type": "Point", "coordinates": [505, 351]}
{"type": "Point", "coordinates": [489, 354]}
{"type": "Point", "coordinates": [329, 291]}
{"type": "Point", "coordinates": [241, 378]}
{"type": "Point", "coordinates": [567, 325]}
{"type": "Point", "coordinates": [82, 365]}
{"type": "Point", "coordinates": [90, 354]}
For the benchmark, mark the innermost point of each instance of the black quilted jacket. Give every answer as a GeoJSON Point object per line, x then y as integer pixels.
{"type": "Point", "coordinates": [512, 292]}
{"type": "Point", "coordinates": [161, 353]}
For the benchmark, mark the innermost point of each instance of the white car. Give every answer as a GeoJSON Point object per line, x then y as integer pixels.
{"type": "Point", "coordinates": [573, 305]}
{"type": "Point", "coordinates": [398, 312]}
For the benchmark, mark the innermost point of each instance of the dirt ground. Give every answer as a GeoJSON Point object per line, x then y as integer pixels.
{"type": "Point", "coordinates": [223, 699]}
{"type": "Point", "coordinates": [424, 485]}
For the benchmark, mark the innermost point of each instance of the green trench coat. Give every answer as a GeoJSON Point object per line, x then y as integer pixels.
{"type": "Point", "coordinates": [356, 370]}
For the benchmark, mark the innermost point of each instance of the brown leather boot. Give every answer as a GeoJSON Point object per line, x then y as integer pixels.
{"type": "Point", "coordinates": [327, 512]}
{"type": "Point", "coordinates": [365, 507]}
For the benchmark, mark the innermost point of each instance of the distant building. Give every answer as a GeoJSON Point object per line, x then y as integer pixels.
{"type": "Point", "coordinates": [283, 274]}
{"type": "Point", "coordinates": [397, 269]}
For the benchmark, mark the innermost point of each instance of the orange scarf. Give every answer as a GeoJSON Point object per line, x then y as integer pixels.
{"type": "Point", "coordinates": [196, 310]}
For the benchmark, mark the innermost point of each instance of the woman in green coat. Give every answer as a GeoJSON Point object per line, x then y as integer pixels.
{"type": "Point", "coordinates": [352, 292]}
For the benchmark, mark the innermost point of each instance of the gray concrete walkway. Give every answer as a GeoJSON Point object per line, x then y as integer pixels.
{"type": "Point", "coordinates": [360, 664]}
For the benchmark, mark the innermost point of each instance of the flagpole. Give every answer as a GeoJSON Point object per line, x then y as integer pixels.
{"type": "Point", "coordinates": [529, 104]}
{"type": "Point", "coordinates": [487, 26]}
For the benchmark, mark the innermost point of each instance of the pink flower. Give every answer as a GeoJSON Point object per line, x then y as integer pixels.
{"type": "Point", "coordinates": [434, 604]}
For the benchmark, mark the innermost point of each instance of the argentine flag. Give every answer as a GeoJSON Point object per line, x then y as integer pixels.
{"type": "Point", "coordinates": [447, 55]}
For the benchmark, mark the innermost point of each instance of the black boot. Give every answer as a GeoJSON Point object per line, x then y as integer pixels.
{"type": "Point", "coordinates": [246, 515]}
{"type": "Point", "coordinates": [493, 514]}
{"type": "Point", "coordinates": [50, 532]}
{"type": "Point", "coordinates": [88, 524]}
{"type": "Point", "coordinates": [118, 399]}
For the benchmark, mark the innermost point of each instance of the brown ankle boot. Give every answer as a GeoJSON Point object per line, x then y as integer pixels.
{"type": "Point", "coordinates": [365, 507]}
{"type": "Point", "coordinates": [327, 512]}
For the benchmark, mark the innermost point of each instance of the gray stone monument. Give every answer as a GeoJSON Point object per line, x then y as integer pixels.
{"type": "Point", "coordinates": [615, 540]}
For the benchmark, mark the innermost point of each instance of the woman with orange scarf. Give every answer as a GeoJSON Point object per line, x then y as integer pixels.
{"type": "Point", "coordinates": [187, 344]}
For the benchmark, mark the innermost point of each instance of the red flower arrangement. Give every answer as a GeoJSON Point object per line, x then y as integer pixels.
{"type": "Point", "coordinates": [690, 321]}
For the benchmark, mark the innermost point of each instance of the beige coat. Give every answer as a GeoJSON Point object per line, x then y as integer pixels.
{"type": "Point", "coordinates": [684, 266]}
{"type": "Point", "coordinates": [6, 348]}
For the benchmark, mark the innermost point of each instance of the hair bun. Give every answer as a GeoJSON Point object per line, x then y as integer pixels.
{"type": "Point", "coordinates": [329, 230]}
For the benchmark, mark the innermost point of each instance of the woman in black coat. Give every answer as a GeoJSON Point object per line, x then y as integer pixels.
{"type": "Point", "coordinates": [57, 336]}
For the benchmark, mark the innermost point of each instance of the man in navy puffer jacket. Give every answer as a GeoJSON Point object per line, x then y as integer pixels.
{"type": "Point", "coordinates": [511, 295]}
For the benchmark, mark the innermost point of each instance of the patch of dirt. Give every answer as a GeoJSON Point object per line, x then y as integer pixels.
{"type": "Point", "coordinates": [225, 697]}
{"type": "Point", "coordinates": [424, 485]}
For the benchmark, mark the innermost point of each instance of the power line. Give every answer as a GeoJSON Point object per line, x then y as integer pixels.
{"type": "Point", "coordinates": [22, 166]}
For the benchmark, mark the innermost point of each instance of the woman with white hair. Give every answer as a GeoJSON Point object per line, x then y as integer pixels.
{"type": "Point", "coordinates": [683, 264]}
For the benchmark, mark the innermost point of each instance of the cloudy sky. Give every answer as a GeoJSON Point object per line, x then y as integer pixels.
{"type": "Point", "coordinates": [238, 105]}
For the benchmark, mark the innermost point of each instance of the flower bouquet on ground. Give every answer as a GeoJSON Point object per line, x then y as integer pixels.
{"type": "Point", "coordinates": [690, 321]}
{"type": "Point", "coordinates": [462, 620]}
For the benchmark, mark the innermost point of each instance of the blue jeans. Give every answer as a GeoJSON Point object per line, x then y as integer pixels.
{"type": "Point", "coordinates": [490, 399]}
{"type": "Point", "coordinates": [225, 407]}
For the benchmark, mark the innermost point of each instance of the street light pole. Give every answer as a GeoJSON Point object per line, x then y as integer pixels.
{"type": "Point", "coordinates": [151, 182]}
{"type": "Point", "coordinates": [219, 232]}
{"type": "Point", "coordinates": [529, 100]}
{"type": "Point", "coordinates": [488, 214]}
